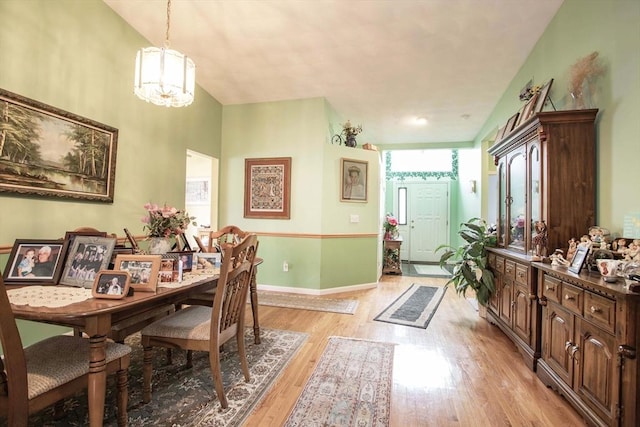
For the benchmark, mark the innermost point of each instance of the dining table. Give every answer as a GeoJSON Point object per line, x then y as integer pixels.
{"type": "Point", "coordinates": [58, 305]}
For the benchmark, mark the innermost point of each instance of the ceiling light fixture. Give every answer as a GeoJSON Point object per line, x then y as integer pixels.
{"type": "Point", "coordinates": [165, 76]}
{"type": "Point", "coordinates": [421, 121]}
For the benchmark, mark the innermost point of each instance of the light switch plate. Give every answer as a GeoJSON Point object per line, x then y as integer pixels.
{"type": "Point", "coordinates": [355, 218]}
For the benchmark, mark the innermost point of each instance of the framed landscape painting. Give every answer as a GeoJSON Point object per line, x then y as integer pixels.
{"type": "Point", "coordinates": [267, 188]}
{"type": "Point", "coordinates": [49, 152]}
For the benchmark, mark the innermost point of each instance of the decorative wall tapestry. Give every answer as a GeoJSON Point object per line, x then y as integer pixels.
{"type": "Point", "coordinates": [267, 188]}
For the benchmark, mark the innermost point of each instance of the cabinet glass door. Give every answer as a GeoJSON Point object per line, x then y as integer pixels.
{"type": "Point", "coordinates": [517, 199]}
{"type": "Point", "coordinates": [535, 199]}
{"type": "Point", "coordinates": [503, 224]}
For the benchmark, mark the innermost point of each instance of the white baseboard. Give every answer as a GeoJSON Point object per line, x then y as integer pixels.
{"type": "Point", "coordinates": [317, 292]}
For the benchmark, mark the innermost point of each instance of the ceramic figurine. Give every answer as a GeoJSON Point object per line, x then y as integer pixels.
{"type": "Point", "coordinates": [573, 245]}
{"type": "Point", "coordinates": [540, 240]}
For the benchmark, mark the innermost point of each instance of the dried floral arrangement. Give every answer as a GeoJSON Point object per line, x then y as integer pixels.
{"type": "Point", "coordinates": [585, 70]}
{"type": "Point", "coordinates": [529, 91]}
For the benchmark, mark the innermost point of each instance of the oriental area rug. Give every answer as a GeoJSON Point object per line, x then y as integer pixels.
{"type": "Point", "coordinates": [304, 302]}
{"type": "Point", "coordinates": [186, 397]}
{"type": "Point", "coordinates": [350, 386]}
{"type": "Point", "coordinates": [415, 307]}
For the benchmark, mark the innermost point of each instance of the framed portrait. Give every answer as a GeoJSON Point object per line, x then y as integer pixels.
{"type": "Point", "coordinates": [578, 260]}
{"type": "Point", "coordinates": [267, 188]}
{"type": "Point", "coordinates": [510, 125]}
{"type": "Point", "coordinates": [520, 119]}
{"type": "Point", "coordinates": [353, 180]}
{"type": "Point", "coordinates": [500, 134]}
{"type": "Point", "coordinates": [528, 111]}
{"type": "Point", "coordinates": [207, 262]}
{"type": "Point", "coordinates": [35, 262]}
{"type": "Point", "coordinates": [111, 284]}
{"type": "Point", "coordinates": [168, 271]}
{"type": "Point", "coordinates": [543, 96]}
{"type": "Point", "coordinates": [87, 256]}
{"type": "Point", "coordinates": [185, 256]}
{"type": "Point", "coordinates": [198, 191]}
{"type": "Point", "coordinates": [143, 270]}
{"type": "Point", "coordinates": [57, 139]}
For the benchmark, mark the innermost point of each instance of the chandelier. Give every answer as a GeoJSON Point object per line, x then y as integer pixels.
{"type": "Point", "coordinates": [164, 76]}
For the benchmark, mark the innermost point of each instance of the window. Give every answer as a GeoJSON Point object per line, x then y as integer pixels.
{"type": "Point", "coordinates": [436, 163]}
{"type": "Point", "coordinates": [402, 205]}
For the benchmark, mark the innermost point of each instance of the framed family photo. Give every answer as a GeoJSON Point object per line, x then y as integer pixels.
{"type": "Point", "coordinates": [353, 180]}
{"type": "Point", "coordinates": [578, 260]}
{"type": "Point", "coordinates": [185, 256]}
{"type": "Point", "coordinates": [87, 256]}
{"type": "Point", "coordinates": [143, 270]}
{"type": "Point", "coordinates": [35, 262]}
{"type": "Point", "coordinates": [111, 284]}
{"type": "Point", "coordinates": [267, 188]}
{"type": "Point", "coordinates": [57, 140]}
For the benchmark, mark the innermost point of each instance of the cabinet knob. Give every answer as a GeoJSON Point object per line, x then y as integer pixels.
{"type": "Point", "coordinates": [595, 309]}
{"type": "Point", "coordinates": [549, 288]}
{"type": "Point", "coordinates": [575, 349]}
{"type": "Point", "coordinates": [567, 346]}
{"type": "Point", "coordinates": [569, 297]}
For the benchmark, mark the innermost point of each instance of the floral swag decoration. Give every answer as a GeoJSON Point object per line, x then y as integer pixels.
{"type": "Point", "coordinates": [390, 226]}
{"type": "Point", "coordinates": [166, 221]}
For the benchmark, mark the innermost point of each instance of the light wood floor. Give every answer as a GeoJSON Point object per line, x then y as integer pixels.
{"type": "Point", "coordinates": [460, 371]}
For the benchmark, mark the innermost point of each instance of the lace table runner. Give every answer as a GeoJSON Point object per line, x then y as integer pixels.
{"type": "Point", "coordinates": [48, 296]}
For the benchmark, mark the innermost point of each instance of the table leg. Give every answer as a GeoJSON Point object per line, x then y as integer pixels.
{"type": "Point", "coordinates": [97, 330]}
{"type": "Point", "coordinates": [253, 290]}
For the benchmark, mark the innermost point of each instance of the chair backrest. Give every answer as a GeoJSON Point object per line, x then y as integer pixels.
{"type": "Point", "coordinates": [13, 367]}
{"type": "Point", "coordinates": [227, 313]}
{"type": "Point", "coordinates": [229, 234]}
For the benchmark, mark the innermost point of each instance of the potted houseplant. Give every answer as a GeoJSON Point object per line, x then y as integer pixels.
{"type": "Point", "coordinates": [470, 267]}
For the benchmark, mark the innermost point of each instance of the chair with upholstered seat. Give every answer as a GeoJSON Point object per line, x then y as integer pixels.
{"type": "Point", "coordinates": [203, 328]}
{"type": "Point", "coordinates": [42, 374]}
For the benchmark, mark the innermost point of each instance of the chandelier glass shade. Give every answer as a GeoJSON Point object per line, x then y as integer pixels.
{"type": "Point", "coordinates": [164, 77]}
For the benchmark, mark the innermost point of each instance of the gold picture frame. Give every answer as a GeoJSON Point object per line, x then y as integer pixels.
{"type": "Point", "coordinates": [267, 188]}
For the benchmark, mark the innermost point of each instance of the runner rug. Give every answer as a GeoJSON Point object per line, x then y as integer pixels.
{"type": "Point", "coordinates": [186, 397]}
{"type": "Point", "coordinates": [303, 302]}
{"type": "Point", "coordinates": [415, 307]}
{"type": "Point", "coordinates": [350, 386]}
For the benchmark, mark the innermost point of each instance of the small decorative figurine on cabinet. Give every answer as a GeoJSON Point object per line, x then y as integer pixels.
{"type": "Point", "coordinates": [573, 245]}
{"type": "Point", "coordinates": [540, 240]}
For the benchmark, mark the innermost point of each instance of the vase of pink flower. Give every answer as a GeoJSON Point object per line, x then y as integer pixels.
{"type": "Point", "coordinates": [390, 227]}
{"type": "Point", "coordinates": [163, 225]}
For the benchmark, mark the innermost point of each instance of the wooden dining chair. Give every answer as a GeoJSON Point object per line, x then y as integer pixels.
{"type": "Point", "coordinates": [44, 373]}
{"type": "Point", "coordinates": [203, 328]}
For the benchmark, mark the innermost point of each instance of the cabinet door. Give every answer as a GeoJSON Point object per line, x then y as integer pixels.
{"type": "Point", "coordinates": [534, 191]}
{"type": "Point", "coordinates": [522, 313]}
{"type": "Point", "coordinates": [596, 370]}
{"type": "Point", "coordinates": [503, 224]}
{"type": "Point", "coordinates": [506, 300]}
{"type": "Point", "coordinates": [558, 340]}
{"type": "Point", "coordinates": [517, 191]}
{"type": "Point", "coordinates": [494, 302]}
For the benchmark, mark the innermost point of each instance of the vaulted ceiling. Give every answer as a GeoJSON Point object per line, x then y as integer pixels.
{"type": "Point", "coordinates": [379, 63]}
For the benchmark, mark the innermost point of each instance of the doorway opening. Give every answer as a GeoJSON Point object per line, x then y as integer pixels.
{"type": "Point", "coordinates": [201, 193]}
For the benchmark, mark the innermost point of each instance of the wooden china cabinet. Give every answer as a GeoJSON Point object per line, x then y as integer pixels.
{"type": "Point", "coordinates": [546, 172]}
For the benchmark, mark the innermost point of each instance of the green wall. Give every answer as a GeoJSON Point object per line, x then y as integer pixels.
{"type": "Point", "coordinates": [79, 56]}
{"type": "Point", "coordinates": [312, 241]}
{"type": "Point", "coordinates": [580, 27]}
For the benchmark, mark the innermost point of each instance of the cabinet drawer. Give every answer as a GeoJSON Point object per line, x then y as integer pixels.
{"type": "Point", "coordinates": [522, 274]}
{"type": "Point", "coordinates": [509, 269]}
{"type": "Point", "coordinates": [499, 265]}
{"type": "Point", "coordinates": [572, 297]}
{"type": "Point", "coordinates": [600, 310]}
{"type": "Point", "coordinates": [552, 288]}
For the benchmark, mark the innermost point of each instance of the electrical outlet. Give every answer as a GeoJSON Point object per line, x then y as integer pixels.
{"type": "Point", "coordinates": [285, 266]}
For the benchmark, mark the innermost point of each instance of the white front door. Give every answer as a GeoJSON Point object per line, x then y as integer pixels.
{"type": "Point", "coordinates": [427, 220]}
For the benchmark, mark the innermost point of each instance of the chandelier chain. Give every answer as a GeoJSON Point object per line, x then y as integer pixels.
{"type": "Point", "coordinates": [166, 40]}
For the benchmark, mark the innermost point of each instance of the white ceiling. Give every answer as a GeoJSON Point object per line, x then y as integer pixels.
{"type": "Point", "coordinates": [379, 63]}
